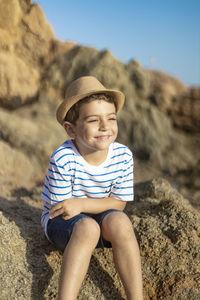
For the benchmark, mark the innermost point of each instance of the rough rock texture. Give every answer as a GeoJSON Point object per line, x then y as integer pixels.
{"type": "Point", "coordinates": [16, 273]}
{"type": "Point", "coordinates": [168, 225]}
{"type": "Point", "coordinates": [167, 229]}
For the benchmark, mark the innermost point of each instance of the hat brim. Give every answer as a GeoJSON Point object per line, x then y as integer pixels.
{"type": "Point", "coordinates": [66, 104]}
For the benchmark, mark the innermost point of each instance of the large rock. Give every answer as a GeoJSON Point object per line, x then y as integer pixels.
{"type": "Point", "coordinates": [179, 102]}
{"type": "Point", "coordinates": [167, 224]}
{"type": "Point", "coordinates": [27, 45]}
{"type": "Point", "coordinates": [25, 37]}
{"type": "Point", "coordinates": [167, 228]}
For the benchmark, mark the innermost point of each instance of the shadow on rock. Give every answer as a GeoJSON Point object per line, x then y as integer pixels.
{"type": "Point", "coordinates": [27, 219]}
{"type": "Point", "coordinates": [103, 280]}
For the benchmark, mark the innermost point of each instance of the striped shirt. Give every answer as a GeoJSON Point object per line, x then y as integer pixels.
{"type": "Point", "coordinates": [70, 176]}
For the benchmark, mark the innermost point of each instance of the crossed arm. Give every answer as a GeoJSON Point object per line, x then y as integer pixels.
{"type": "Point", "coordinates": [74, 206]}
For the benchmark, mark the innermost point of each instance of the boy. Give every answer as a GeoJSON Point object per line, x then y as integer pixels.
{"type": "Point", "coordinates": [89, 180]}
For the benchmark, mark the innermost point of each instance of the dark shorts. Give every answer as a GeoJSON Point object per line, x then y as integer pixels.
{"type": "Point", "coordinates": [59, 230]}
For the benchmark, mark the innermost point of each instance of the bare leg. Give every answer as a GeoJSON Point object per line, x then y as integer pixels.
{"type": "Point", "coordinates": [77, 257]}
{"type": "Point", "coordinates": [117, 228]}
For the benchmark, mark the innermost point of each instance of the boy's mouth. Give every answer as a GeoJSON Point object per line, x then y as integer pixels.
{"type": "Point", "coordinates": [103, 137]}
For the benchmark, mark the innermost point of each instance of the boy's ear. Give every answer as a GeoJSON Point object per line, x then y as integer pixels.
{"type": "Point", "coordinates": [69, 128]}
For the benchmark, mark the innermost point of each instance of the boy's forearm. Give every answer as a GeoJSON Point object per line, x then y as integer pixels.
{"type": "Point", "coordinates": [73, 206]}
{"type": "Point", "coordinates": [96, 206]}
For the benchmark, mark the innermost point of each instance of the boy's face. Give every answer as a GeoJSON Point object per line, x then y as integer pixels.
{"type": "Point", "coordinates": [96, 127]}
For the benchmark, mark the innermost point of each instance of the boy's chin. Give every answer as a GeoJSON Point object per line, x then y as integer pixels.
{"type": "Point", "coordinates": [104, 145]}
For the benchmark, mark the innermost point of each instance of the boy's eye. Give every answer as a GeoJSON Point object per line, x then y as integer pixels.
{"type": "Point", "coordinates": [92, 120]}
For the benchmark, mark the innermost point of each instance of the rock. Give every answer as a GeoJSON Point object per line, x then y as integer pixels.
{"type": "Point", "coordinates": [25, 5]}
{"type": "Point", "coordinates": [186, 111]}
{"type": "Point", "coordinates": [180, 103]}
{"type": "Point", "coordinates": [36, 23]}
{"type": "Point", "coordinates": [14, 267]}
{"type": "Point", "coordinates": [36, 37]}
{"type": "Point", "coordinates": [16, 167]}
{"type": "Point", "coordinates": [19, 82]}
{"type": "Point", "coordinates": [81, 61]}
{"type": "Point", "coordinates": [140, 77]}
{"type": "Point", "coordinates": [27, 46]}
{"type": "Point", "coordinates": [25, 38]}
{"type": "Point", "coordinates": [150, 135]}
{"type": "Point", "coordinates": [167, 228]}
{"type": "Point", "coordinates": [27, 145]}
{"type": "Point", "coordinates": [10, 14]}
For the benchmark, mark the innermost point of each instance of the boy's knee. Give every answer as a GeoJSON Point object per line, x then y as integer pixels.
{"type": "Point", "coordinates": [117, 225]}
{"type": "Point", "coordinates": [87, 229]}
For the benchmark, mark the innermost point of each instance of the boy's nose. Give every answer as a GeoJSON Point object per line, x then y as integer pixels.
{"type": "Point", "coordinates": [103, 125]}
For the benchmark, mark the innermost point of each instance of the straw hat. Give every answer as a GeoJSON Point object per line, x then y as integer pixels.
{"type": "Point", "coordinates": [81, 88]}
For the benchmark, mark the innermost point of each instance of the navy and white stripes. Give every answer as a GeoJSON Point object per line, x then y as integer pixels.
{"type": "Point", "coordinates": [69, 175]}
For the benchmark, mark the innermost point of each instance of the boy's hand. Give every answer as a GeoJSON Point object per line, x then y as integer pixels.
{"type": "Point", "coordinates": [68, 208]}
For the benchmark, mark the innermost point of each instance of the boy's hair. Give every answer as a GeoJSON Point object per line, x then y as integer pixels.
{"type": "Point", "coordinates": [73, 114]}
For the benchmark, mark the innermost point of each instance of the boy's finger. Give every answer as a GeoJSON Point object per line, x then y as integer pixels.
{"type": "Point", "coordinates": [56, 213]}
{"type": "Point", "coordinates": [67, 217]}
{"type": "Point", "coordinates": [56, 207]}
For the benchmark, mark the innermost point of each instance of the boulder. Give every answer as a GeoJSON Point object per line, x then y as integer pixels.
{"type": "Point", "coordinates": [166, 226]}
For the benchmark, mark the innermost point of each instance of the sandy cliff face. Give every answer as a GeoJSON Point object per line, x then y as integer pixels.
{"type": "Point", "coordinates": [26, 40]}
{"type": "Point", "coordinates": [160, 122]}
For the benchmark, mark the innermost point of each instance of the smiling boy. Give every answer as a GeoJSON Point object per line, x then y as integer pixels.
{"type": "Point", "coordinates": [89, 180]}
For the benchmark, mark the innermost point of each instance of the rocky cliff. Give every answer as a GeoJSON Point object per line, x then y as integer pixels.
{"type": "Point", "coordinates": [160, 122]}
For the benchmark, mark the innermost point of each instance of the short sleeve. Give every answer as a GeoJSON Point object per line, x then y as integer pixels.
{"type": "Point", "coordinates": [123, 188]}
{"type": "Point", "coordinates": [57, 186]}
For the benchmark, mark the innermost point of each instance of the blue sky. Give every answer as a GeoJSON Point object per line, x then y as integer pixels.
{"type": "Point", "coordinates": [161, 35]}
